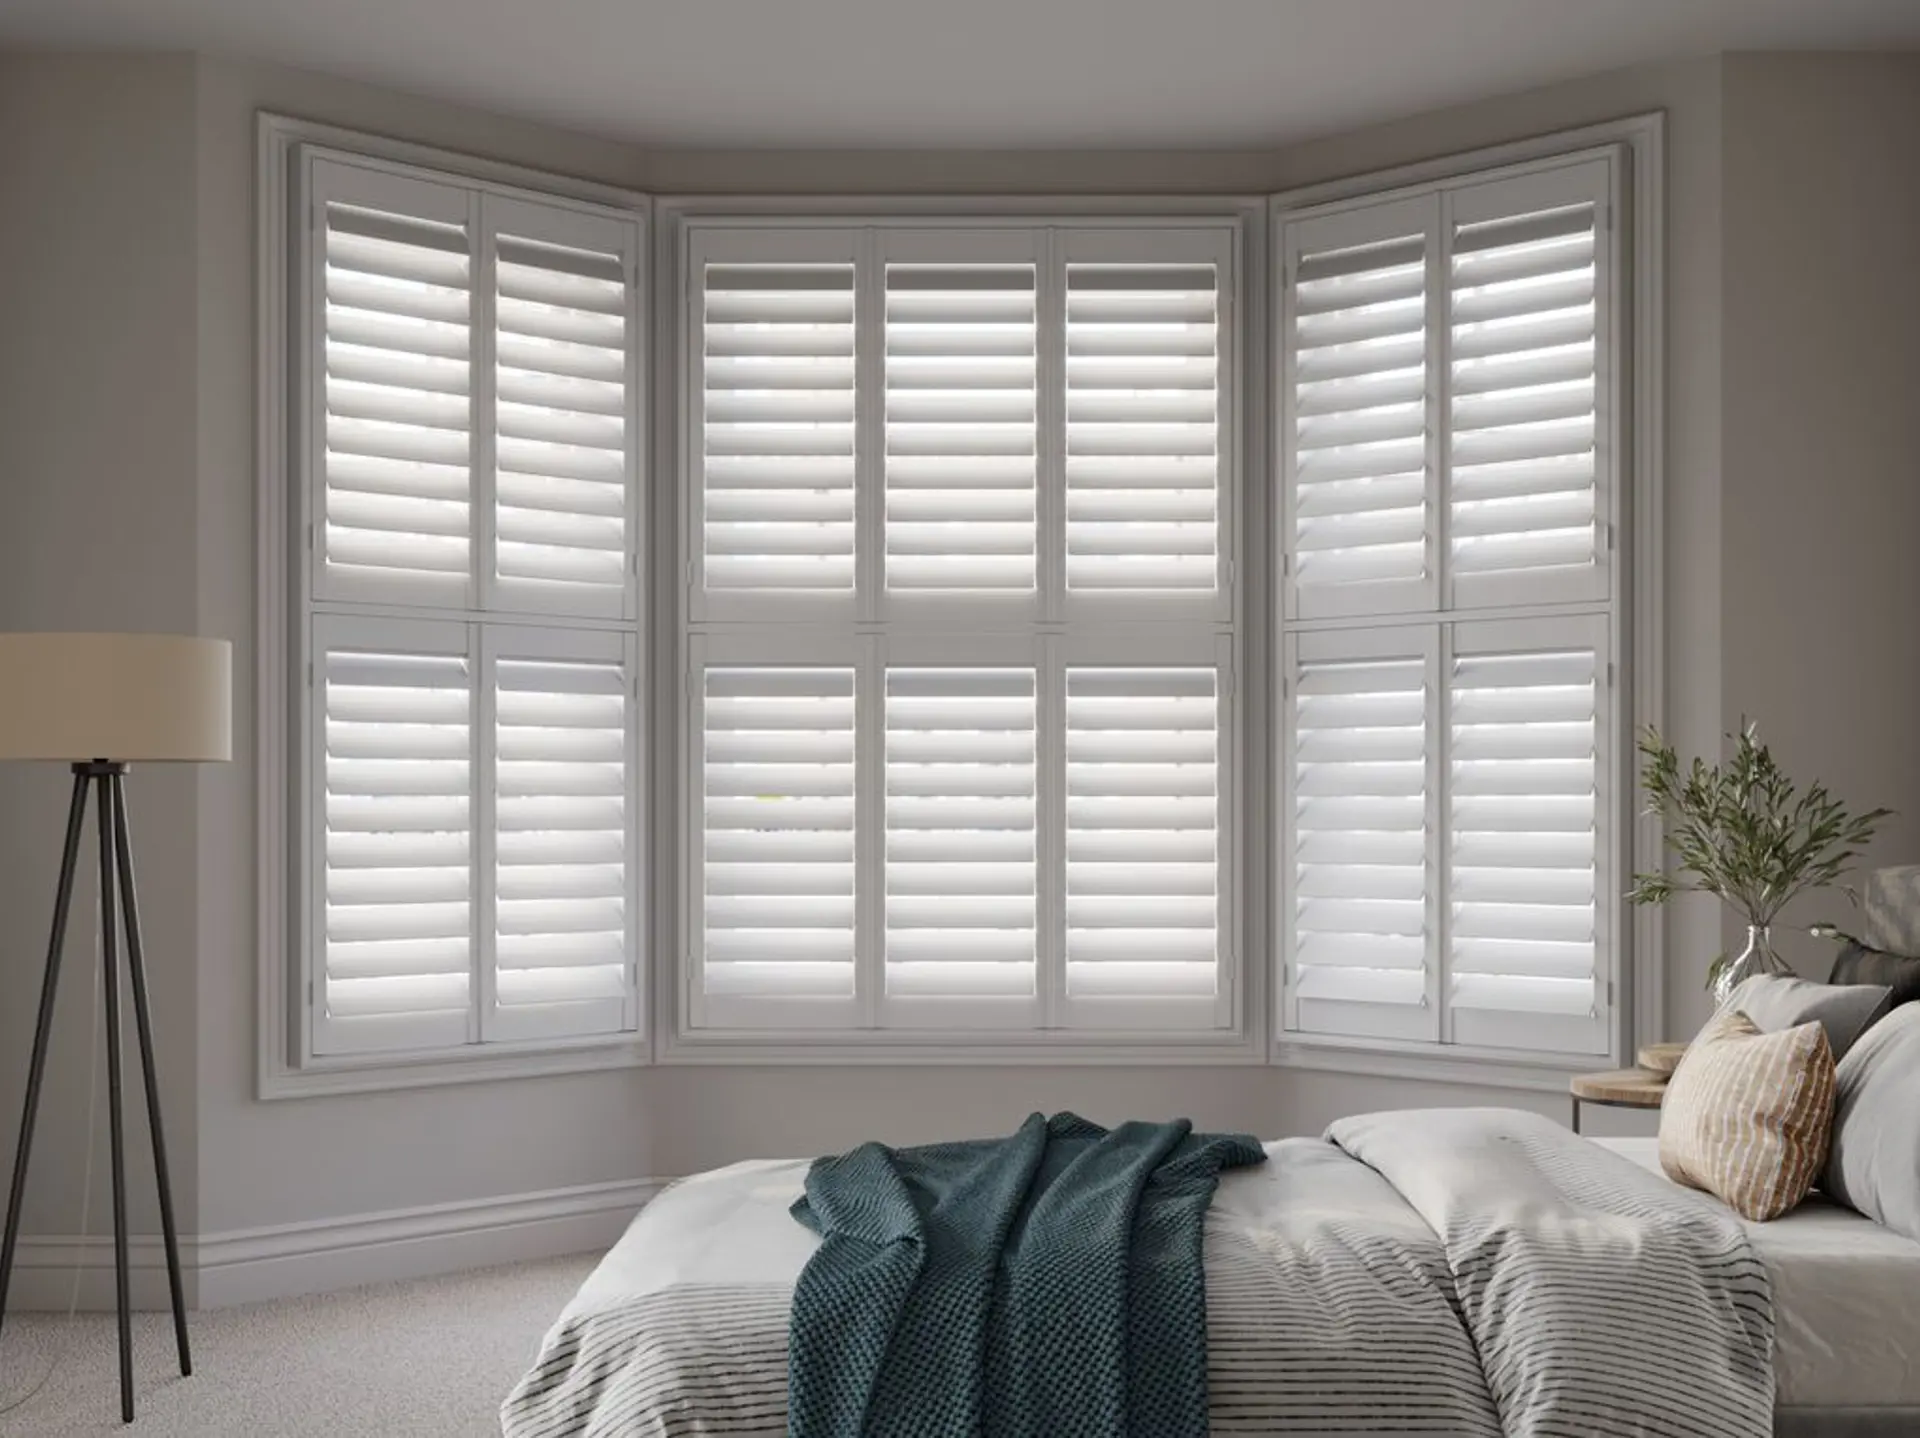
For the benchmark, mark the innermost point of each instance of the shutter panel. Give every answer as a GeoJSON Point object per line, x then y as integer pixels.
{"type": "Point", "coordinates": [777, 852]}
{"type": "Point", "coordinates": [1357, 368]}
{"type": "Point", "coordinates": [777, 429]}
{"type": "Point", "coordinates": [961, 842]}
{"type": "Point", "coordinates": [961, 400]}
{"type": "Point", "coordinates": [565, 382]}
{"type": "Point", "coordinates": [395, 825]}
{"type": "Point", "coordinates": [1143, 844]}
{"type": "Point", "coordinates": [563, 850]}
{"type": "Point", "coordinates": [1527, 311]}
{"type": "Point", "coordinates": [391, 423]}
{"type": "Point", "coordinates": [1143, 404]}
{"type": "Point", "coordinates": [1528, 836]}
{"type": "Point", "coordinates": [1361, 803]}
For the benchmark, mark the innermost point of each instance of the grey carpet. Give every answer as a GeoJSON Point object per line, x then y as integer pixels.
{"type": "Point", "coordinates": [427, 1359]}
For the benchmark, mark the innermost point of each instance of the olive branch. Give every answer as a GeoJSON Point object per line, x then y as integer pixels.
{"type": "Point", "coordinates": [1742, 831]}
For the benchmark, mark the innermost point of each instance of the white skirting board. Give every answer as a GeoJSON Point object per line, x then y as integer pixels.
{"type": "Point", "coordinates": [248, 1265]}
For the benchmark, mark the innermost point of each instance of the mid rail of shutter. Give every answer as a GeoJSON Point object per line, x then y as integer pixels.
{"type": "Point", "coordinates": [776, 870]}
{"type": "Point", "coordinates": [1358, 348]}
{"type": "Point", "coordinates": [565, 376]}
{"type": "Point", "coordinates": [564, 933]}
{"type": "Point", "coordinates": [390, 418]}
{"type": "Point", "coordinates": [1144, 845]}
{"type": "Point", "coordinates": [1361, 929]}
{"type": "Point", "coordinates": [1528, 339]}
{"type": "Point", "coordinates": [1143, 427]}
{"type": "Point", "coordinates": [1527, 883]}
{"type": "Point", "coordinates": [961, 452]}
{"type": "Point", "coordinates": [776, 453]}
{"type": "Point", "coordinates": [393, 837]}
{"type": "Point", "coordinates": [961, 846]}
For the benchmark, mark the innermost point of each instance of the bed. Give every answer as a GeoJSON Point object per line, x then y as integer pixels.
{"type": "Point", "coordinates": [1846, 1296]}
{"type": "Point", "coordinates": [682, 1329]}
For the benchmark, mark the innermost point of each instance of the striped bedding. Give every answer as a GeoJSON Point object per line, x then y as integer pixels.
{"type": "Point", "coordinates": [1470, 1272]}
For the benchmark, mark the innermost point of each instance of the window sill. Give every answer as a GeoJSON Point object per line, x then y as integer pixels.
{"type": "Point", "coordinates": [328, 1078]}
{"type": "Point", "coordinates": [1466, 1069]}
{"type": "Point", "coordinates": [949, 1051]}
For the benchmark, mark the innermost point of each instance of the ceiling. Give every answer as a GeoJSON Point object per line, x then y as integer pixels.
{"type": "Point", "coordinates": [1163, 74]}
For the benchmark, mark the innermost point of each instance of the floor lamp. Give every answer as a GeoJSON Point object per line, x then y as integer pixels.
{"type": "Point", "coordinates": [101, 702]}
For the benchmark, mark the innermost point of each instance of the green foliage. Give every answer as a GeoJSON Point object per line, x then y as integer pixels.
{"type": "Point", "coordinates": [1743, 832]}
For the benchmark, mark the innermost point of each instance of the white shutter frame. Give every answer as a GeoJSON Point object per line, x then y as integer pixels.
{"type": "Point", "coordinates": [1146, 247]}
{"type": "Point", "coordinates": [595, 235]}
{"type": "Point", "coordinates": [898, 1006]}
{"type": "Point", "coordinates": [331, 182]}
{"type": "Point", "coordinates": [586, 995]}
{"type": "Point", "coordinates": [1409, 581]}
{"type": "Point", "coordinates": [774, 248]}
{"type": "Point", "coordinates": [403, 880]}
{"type": "Point", "coordinates": [1357, 1009]}
{"type": "Point", "coordinates": [1176, 1009]}
{"type": "Point", "coordinates": [1591, 182]}
{"type": "Point", "coordinates": [1492, 1017]}
{"type": "Point", "coordinates": [747, 1011]}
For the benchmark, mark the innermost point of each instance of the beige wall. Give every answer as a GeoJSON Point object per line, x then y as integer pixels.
{"type": "Point", "coordinates": [98, 530]}
{"type": "Point", "coordinates": [1820, 289]}
{"type": "Point", "coordinates": [192, 369]}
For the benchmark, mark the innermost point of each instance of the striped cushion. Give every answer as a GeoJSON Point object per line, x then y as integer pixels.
{"type": "Point", "coordinates": [1747, 1114]}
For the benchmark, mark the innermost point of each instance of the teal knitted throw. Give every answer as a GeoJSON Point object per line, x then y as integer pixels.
{"type": "Point", "coordinates": [1044, 1285]}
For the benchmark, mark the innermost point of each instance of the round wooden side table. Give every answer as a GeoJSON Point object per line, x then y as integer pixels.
{"type": "Point", "coordinates": [1622, 1088]}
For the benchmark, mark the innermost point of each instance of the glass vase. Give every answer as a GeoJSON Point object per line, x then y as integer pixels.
{"type": "Point", "coordinates": [1757, 958]}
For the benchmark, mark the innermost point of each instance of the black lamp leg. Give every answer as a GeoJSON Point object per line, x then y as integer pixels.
{"type": "Point", "coordinates": [137, 972]}
{"type": "Point", "coordinates": [116, 1128]}
{"type": "Point", "coordinates": [37, 1067]}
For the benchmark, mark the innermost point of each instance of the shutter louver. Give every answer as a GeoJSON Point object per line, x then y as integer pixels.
{"type": "Point", "coordinates": [1525, 849]}
{"type": "Point", "coordinates": [396, 425]}
{"type": "Point", "coordinates": [1523, 501]}
{"type": "Point", "coordinates": [961, 833]}
{"type": "Point", "coordinates": [1143, 833]}
{"type": "Point", "coordinates": [1359, 375]}
{"type": "Point", "coordinates": [561, 446]}
{"type": "Point", "coordinates": [778, 861]}
{"type": "Point", "coordinates": [563, 938]}
{"type": "Point", "coordinates": [397, 916]}
{"type": "Point", "coordinates": [778, 428]}
{"type": "Point", "coordinates": [960, 427]}
{"type": "Point", "coordinates": [1142, 427]}
{"type": "Point", "coordinates": [1359, 815]}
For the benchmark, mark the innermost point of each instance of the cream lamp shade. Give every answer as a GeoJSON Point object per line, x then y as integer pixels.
{"type": "Point", "coordinates": [132, 698]}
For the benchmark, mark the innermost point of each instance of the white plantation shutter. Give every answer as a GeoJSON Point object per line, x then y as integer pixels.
{"type": "Point", "coordinates": [962, 843]}
{"type": "Point", "coordinates": [1357, 367]}
{"type": "Point", "coordinates": [961, 463]}
{"type": "Point", "coordinates": [1360, 797]}
{"type": "Point", "coordinates": [390, 418]}
{"type": "Point", "coordinates": [774, 438]}
{"type": "Point", "coordinates": [1528, 871]}
{"type": "Point", "coordinates": [565, 397]}
{"type": "Point", "coordinates": [467, 435]}
{"type": "Point", "coordinates": [775, 877]}
{"type": "Point", "coordinates": [1452, 410]}
{"type": "Point", "coordinates": [392, 862]}
{"type": "Point", "coordinates": [1144, 415]}
{"type": "Point", "coordinates": [959, 542]}
{"type": "Point", "coordinates": [1528, 312]}
{"type": "Point", "coordinates": [1144, 844]}
{"type": "Point", "coordinates": [564, 852]}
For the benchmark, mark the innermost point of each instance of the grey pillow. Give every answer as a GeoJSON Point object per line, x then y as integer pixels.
{"type": "Point", "coordinates": [1874, 1162]}
{"type": "Point", "coordinates": [1844, 1011]}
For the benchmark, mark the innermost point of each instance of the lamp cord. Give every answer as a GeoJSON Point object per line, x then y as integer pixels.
{"type": "Point", "coordinates": [86, 1187]}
